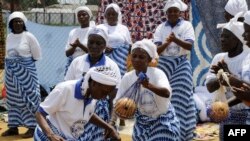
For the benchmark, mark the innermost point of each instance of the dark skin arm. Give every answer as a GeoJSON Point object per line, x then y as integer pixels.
{"type": "Point", "coordinates": [110, 132]}
{"type": "Point", "coordinates": [46, 129]}
{"type": "Point", "coordinates": [163, 92]}
{"type": "Point", "coordinates": [77, 43]}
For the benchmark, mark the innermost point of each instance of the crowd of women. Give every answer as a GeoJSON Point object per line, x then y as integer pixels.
{"type": "Point", "coordinates": [96, 77]}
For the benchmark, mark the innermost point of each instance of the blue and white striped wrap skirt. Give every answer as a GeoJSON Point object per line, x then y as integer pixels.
{"type": "Point", "coordinates": [179, 73]}
{"type": "Point", "coordinates": [164, 128]}
{"type": "Point", "coordinates": [93, 132]}
{"type": "Point", "coordinates": [119, 56]}
{"type": "Point", "coordinates": [23, 91]}
{"type": "Point", "coordinates": [40, 136]}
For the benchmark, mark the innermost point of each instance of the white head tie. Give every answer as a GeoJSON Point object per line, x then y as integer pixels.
{"type": "Point", "coordinates": [86, 9]}
{"type": "Point", "coordinates": [234, 26]}
{"type": "Point", "coordinates": [175, 3]}
{"type": "Point", "coordinates": [104, 75]}
{"type": "Point", "coordinates": [101, 32]}
{"type": "Point", "coordinates": [148, 46]}
{"type": "Point", "coordinates": [235, 6]}
{"type": "Point", "coordinates": [117, 10]}
{"type": "Point", "coordinates": [17, 15]}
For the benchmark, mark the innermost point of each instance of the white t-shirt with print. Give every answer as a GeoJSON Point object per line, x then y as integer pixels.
{"type": "Point", "coordinates": [24, 44]}
{"type": "Point", "coordinates": [80, 65]}
{"type": "Point", "coordinates": [183, 30]}
{"type": "Point", "coordinates": [117, 35]}
{"type": "Point", "coordinates": [65, 111]}
{"type": "Point", "coordinates": [236, 67]}
{"type": "Point", "coordinates": [80, 33]}
{"type": "Point", "coordinates": [149, 104]}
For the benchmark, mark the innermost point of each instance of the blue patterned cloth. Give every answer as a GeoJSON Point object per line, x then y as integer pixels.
{"type": "Point", "coordinates": [119, 56]}
{"type": "Point", "coordinates": [179, 73]}
{"type": "Point", "coordinates": [93, 132]}
{"type": "Point", "coordinates": [164, 128]}
{"type": "Point", "coordinates": [23, 91]}
{"type": "Point", "coordinates": [40, 136]}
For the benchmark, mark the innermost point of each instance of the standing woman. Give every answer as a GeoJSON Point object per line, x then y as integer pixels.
{"type": "Point", "coordinates": [174, 39]}
{"type": "Point", "coordinates": [155, 118]}
{"type": "Point", "coordinates": [119, 36]}
{"type": "Point", "coordinates": [22, 86]}
{"type": "Point", "coordinates": [78, 37]}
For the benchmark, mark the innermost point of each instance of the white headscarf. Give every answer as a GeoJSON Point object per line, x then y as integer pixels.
{"type": "Point", "coordinates": [148, 46]}
{"type": "Point", "coordinates": [234, 26]}
{"type": "Point", "coordinates": [247, 18]}
{"type": "Point", "coordinates": [86, 9]}
{"type": "Point", "coordinates": [100, 31]}
{"type": "Point", "coordinates": [235, 6]}
{"type": "Point", "coordinates": [117, 10]}
{"type": "Point", "coordinates": [17, 15]}
{"type": "Point", "coordinates": [175, 3]}
{"type": "Point", "coordinates": [102, 74]}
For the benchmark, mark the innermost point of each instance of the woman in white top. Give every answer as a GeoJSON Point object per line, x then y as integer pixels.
{"type": "Point", "coordinates": [78, 37]}
{"type": "Point", "coordinates": [119, 36]}
{"type": "Point", "coordinates": [22, 86]}
{"type": "Point", "coordinates": [155, 116]}
{"type": "Point", "coordinates": [97, 41]}
{"type": "Point", "coordinates": [174, 39]}
{"type": "Point", "coordinates": [71, 105]}
{"type": "Point", "coordinates": [231, 62]}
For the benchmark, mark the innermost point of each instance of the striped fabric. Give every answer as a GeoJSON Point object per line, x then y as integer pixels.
{"type": "Point", "coordinates": [237, 117]}
{"type": "Point", "coordinates": [40, 136]}
{"type": "Point", "coordinates": [23, 93]}
{"type": "Point", "coordinates": [119, 56]}
{"type": "Point", "coordinates": [93, 132]}
{"type": "Point", "coordinates": [179, 73]}
{"type": "Point", "coordinates": [164, 128]}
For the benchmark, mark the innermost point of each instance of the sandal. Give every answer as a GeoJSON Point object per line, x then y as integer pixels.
{"type": "Point", "coordinates": [29, 133]}
{"type": "Point", "coordinates": [10, 132]}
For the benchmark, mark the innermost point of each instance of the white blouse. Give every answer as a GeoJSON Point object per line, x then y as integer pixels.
{"type": "Point", "coordinates": [117, 35]}
{"type": "Point", "coordinates": [80, 33]}
{"type": "Point", "coordinates": [24, 44]}
{"type": "Point", "coordinates": [149, 103]}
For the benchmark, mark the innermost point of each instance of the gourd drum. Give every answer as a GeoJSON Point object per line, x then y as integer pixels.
{"type": "Point", "coordinates": [218, 111]}
{"type": "Point", "coordinates": [125, 108]}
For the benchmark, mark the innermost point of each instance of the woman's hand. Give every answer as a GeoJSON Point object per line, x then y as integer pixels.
{"type": "Point", "coordinates": [76, 43]}
{"type": "Point", "coordinates": [243, 92]}
{"type": "Point", "coordinates": [214, 69]}
{"type": "Point", "coordinates": [223, 65]}
{"type": "Point", "coordinates": [54, 137]}
{"type": "Point", "coordinates": [112, 134]}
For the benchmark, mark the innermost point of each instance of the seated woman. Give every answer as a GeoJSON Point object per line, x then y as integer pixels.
{"type": "Point", "coordinates": [155, 116]}
{"type": "Point", "coordinates": [230, 61]}
{"type": "Point", "coordinates": [243, 93]}
{"type": "Point", "coordinates": [71, 105]}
